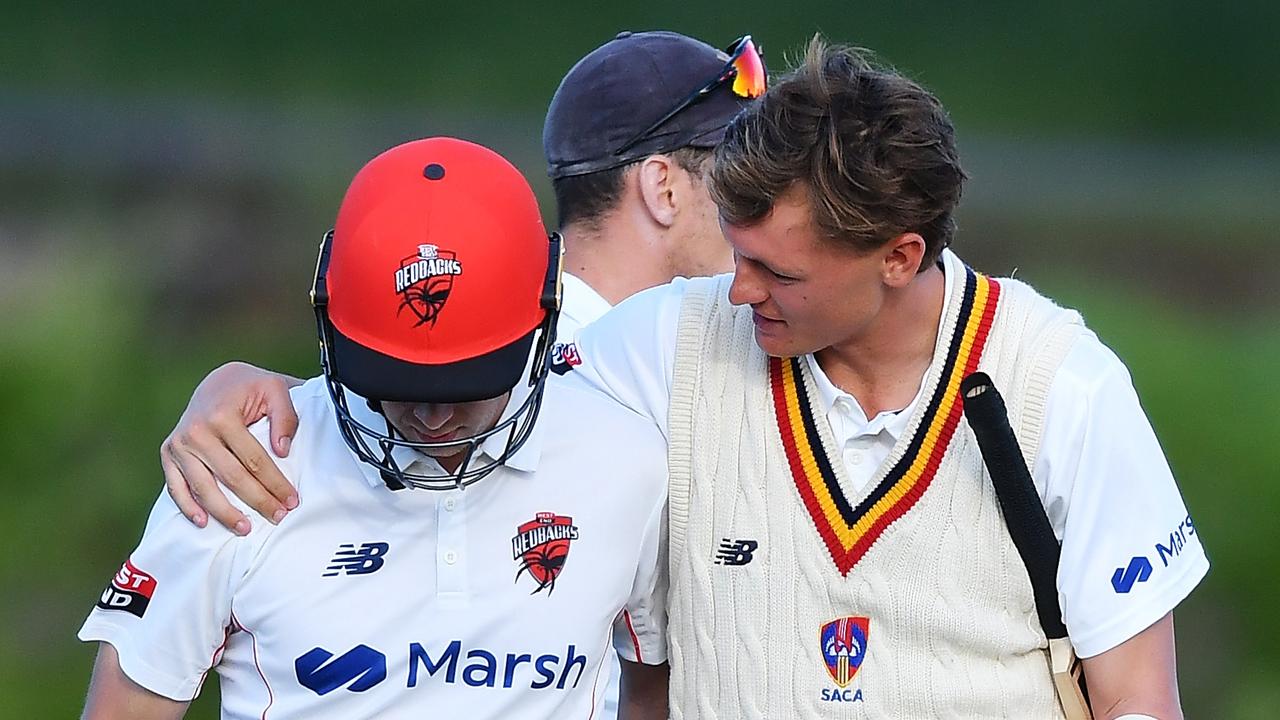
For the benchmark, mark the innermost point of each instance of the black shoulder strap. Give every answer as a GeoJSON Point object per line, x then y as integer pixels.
{"type": "Point", "coordinates": [1020, 504]}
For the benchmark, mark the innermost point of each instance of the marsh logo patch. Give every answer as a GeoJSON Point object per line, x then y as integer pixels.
{"type": "Point", "coordinates": [424, 282]}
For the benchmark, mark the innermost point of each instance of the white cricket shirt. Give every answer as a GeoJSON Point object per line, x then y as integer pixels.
{"type": "Point", "coordinates": [1130, 552]}
{"type": "Point", "coordinates": [581, 304]}
{"type": "Point", "coordinates": [491, 602]}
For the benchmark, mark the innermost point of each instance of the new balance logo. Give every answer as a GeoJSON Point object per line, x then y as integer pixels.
{"type": "Point", "coordinates": [736, 552]}
{"type": "Point", "coordinates": [1138, 570]}
{"type": "Point", "coordinates": [352, 560]}
{"type": "Point", "coordinates": [362, 666]}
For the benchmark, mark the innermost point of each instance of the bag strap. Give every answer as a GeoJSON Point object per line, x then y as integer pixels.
{"type": "Point", "coordinates": [1020, 504]}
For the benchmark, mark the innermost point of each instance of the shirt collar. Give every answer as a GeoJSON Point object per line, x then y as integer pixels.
{"type": "Point", "coordinates": [581, 303]}
{"type": "Point", "coordinates": [895, 423]}
{"type": "Point", "coordinates": [829, 396]}
{"type": "Point", "coordinates": [525, 459]}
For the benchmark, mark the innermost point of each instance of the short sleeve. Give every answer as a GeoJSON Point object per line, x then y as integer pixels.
{"type": "Point", "coordinates": [640, 632]}
{"type": "Point", "coordinates": [629, 352]}
{"type": "Point", "coordinates": [167, 611]}
{"type": "Point", "coordinates": [1130, 550]}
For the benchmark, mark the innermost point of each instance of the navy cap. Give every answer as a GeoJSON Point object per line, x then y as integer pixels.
{"type": "Point", "coordinates": [621, 88]}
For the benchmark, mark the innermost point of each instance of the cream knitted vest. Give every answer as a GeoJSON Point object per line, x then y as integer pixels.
{"type": "Point", "coordinates": [906, 601]}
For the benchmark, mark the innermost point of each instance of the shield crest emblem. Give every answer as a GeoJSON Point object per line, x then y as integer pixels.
{"type": "Point", "coordinates": [844, 646]}
{"type": "Point", "coordinates": [541, 547]}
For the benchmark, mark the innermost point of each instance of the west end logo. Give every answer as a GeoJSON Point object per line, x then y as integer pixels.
{"type": "Point", "coordinates": [844, 647]}
{"type": "Point", "coordinates": [541, 546]}
{"type": "Point", "coordinates": [130, 590]}
{"type": "Point", "coordinates": [425, 280]}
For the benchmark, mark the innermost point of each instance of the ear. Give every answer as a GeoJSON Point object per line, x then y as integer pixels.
{"type": "Point", "coordinates": [657, 177]}
{"type": "Point", "coordinates": [903, 255]}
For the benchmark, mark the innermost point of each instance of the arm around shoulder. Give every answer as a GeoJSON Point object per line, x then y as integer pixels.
{"type": "Point", "coordinates": [629, 353]}
{"type": "Point", "coordinates": [211, 447]}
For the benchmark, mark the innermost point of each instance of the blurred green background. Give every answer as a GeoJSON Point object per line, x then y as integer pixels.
{"type": "Point", "coordinates": [167, 169]}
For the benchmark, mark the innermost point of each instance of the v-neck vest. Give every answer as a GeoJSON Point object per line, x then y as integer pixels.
{"type": "Point", "coordinates": [790, 599]}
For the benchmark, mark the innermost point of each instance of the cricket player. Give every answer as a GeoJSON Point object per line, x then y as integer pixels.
{"type": "Point", "coordinates": [467, 544]}
{"type": "Point", "coordinates": [627, 140]}
{"type": "Point", "coordinates": [830, 515]}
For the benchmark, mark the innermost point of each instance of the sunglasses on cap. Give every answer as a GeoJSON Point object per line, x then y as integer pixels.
{"type": "Point", "coordinates": [744, 72]}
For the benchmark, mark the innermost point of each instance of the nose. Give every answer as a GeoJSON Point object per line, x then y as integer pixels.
{"type": "Point", "coordinates": [746, 288]}
{"type": "Point", "coordinates": [433, 416]}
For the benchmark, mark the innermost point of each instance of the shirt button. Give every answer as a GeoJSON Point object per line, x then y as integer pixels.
{"type": "Point", "coordinates": [853, 457]}
{"type": "Point", "coordinates": [450, 504]}
{"type": "Point", "coordinates": [450, 557]}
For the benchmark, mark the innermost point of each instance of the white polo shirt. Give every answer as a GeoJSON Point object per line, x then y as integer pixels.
{"type": "Point", "coordinates": [492, 602]}
{"type": "Point", "coordinates": [580, 305]}
{"type": "Point", "coordinates": [1130, 552]}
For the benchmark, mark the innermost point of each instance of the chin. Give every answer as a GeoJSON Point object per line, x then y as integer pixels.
{"type": "Point", "coordinates": [444, 453]}
{"type": "Point", "coordinates": [785, 346]}
{"type": "Point", "coordinates": [775, 346]}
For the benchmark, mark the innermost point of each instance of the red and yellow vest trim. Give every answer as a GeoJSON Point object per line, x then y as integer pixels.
{"type": "Point", "coordinates": [849, 532]}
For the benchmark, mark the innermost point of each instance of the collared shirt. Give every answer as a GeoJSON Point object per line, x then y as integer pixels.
{"type": "Point", "coordinates": [500, 600]}
{"type": "Point", "coordinates": [580, 305]}
{"type": "Point", "coordinates": [1130, 552]}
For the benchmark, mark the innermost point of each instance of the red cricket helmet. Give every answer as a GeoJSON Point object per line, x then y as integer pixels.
{"type": "Point", "coordinates": [432, 287]}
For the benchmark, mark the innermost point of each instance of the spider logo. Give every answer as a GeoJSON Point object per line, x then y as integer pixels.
{"type": "Point", "coordinates": [544, 566]}
{"type": "Point", "coordinates": [541, 547]}
{"type": "Point", "coordinates": [425, 300]}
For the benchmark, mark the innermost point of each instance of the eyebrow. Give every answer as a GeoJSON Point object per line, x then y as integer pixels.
{"type": "Point", "coordinates": [784, 272]}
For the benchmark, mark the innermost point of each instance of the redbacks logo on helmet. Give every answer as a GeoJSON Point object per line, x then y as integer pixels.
{"type": "Point", "coordinates": [424, 281]}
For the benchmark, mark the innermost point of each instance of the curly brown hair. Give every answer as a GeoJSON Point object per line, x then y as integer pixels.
{"type": "Point", "coordinates": [875, 150]}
